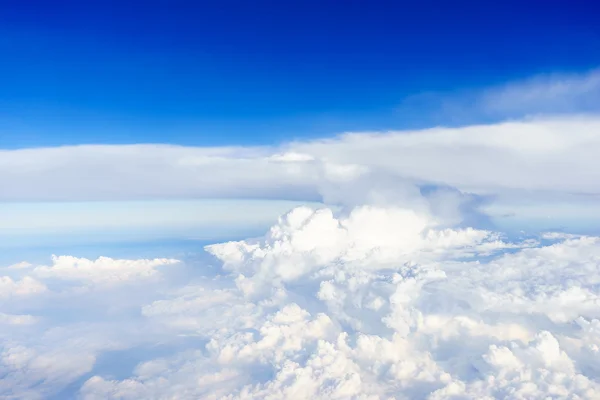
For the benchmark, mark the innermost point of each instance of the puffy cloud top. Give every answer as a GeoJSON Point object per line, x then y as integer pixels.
{"type": "Point", "coordinates": [376, 302]}
{"type": "Point", "coordinates": [104, 270]}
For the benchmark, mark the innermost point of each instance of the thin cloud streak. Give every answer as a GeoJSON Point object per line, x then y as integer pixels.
{"type": "Point", "coordinates": [546, 94]}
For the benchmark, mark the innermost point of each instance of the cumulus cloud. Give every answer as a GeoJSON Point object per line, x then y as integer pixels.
{"type": "Point", "coordinates": [24, 287]}
{"type": "Point", "coordinates": [305, 240]}
{"type": "Point", "coordinates": [371, 303]}
{"type": "Point", "coordinates": [103, 270]}
{"type": "Point", "coordinates": [34, 374]}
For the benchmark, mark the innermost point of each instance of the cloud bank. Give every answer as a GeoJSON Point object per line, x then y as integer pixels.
{"type": "Point", "coordinates": [458, 174]}
{"type": "Point", "coordinates": [372, 302]}
{"type": "Point", "coordinates": [553, 155]}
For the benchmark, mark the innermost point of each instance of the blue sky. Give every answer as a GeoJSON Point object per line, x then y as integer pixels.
{"type": "Point", "coordinates": [262, 72]}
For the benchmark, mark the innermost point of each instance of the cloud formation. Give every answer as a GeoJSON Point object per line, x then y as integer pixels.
{"type": "Point", "coordinates": [552, 155]}
{"type": "Point", "coordinates": [387, 292]}
{"type": "Point", "coordinates": [373, 302]}
{"type": "Point", "coordinates": [104, 270]}
{"type": "Point", "coordinates": [540, 96]}
{"type": "Point", "coordinates": [24, 287]}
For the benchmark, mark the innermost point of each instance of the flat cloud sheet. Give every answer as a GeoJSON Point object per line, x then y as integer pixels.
{"type": "Point", "coordinates": [374, 302]}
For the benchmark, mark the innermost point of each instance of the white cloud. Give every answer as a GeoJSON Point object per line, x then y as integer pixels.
{"type": "Point", "coordinates": [544, 281]}
{"type": "Point", "coordinates": [550, 155]}
{"type": "Point", "coordinates": [542, 170]}
{"type": "Point", "coordinates": [154, 377]}
{"type": "Point", "coordinates": [305, 240]}
{"type": "Point", "coordinates": [188, 312]}
{"type": "Point", "coordinates": [20, 265]}
{"type": "Point", "coordinates": [358, 306]}
{"type": "Point", "coordinates": [146, 171]}
{"type": "Point", "coordinates": [553, 154]}
{"type": "Point", "coordinates": [24, 368]}
{"type": "Point", "coordinates": [103, 270]}
{"type": "Point", "coordinates": [24, 287]}
{"type": "Point", "coordinates": [540, 369]}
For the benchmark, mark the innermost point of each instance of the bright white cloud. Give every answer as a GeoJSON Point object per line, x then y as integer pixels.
{"type": "Point", "coordinates": [103, 270]}
{"type": "Point", "coordinates": [550, 155]}
{"type": "Point", "coordinates": [554, 155]}
{"type": "Point", "coordinates": [20, 265]}
{"type": "Point", "coordinates": [377, 303]}
{"type": "Point", "coordinates": [24, 287]}
{"type": "Point", "coordinates": [305, 240]}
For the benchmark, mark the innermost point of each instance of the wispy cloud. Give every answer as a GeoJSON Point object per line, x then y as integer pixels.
{"type": "Point", "coordinates": [545, 94]}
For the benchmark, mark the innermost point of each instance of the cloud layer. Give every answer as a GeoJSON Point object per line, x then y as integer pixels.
{"type": "Point", "coordinates": [552, 155]}
{"type": "Point", "coordinates": [371, 302]}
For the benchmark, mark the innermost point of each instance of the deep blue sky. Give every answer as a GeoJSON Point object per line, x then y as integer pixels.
{"type": "Point", "coordinates": [244, 72]}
